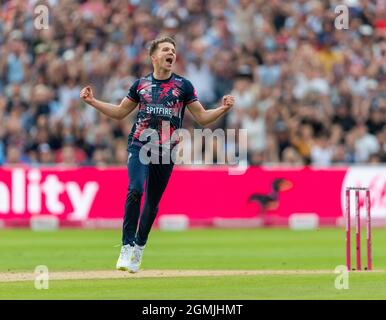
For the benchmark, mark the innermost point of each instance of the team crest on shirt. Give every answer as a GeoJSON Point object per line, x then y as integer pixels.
{"type": "Point", "coordinates": [172, 87]}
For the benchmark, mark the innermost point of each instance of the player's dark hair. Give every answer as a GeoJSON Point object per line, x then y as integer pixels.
{"type": "Point", "coordinates": [154, 44]}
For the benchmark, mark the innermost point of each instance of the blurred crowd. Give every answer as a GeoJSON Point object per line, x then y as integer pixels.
{"type": "Point", "coordinates": [306, 91]}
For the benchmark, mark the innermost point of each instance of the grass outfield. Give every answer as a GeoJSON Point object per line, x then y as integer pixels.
{"type": "Point", "coordinates": [260, 249]}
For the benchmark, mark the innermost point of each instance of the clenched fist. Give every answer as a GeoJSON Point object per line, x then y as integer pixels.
{"type": "Point", "coordinates": [228, 101]}
{"type": "Point", "coordinates": [87, 95]}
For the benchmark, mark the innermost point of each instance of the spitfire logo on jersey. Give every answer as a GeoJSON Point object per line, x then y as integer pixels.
{"type": "Point", "coordinates": [158, 109]}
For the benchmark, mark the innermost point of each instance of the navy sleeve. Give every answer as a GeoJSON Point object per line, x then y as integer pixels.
{"type": "Point", "coordinates": [133, 93]}
{"type": "Point", "coordinates": [190, 93]}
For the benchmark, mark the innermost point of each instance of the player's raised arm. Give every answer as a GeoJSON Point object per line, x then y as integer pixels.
{"type": "Point", "coordinates": [117, 112]}
{"type": "Point", "coordinates": [204, 117]}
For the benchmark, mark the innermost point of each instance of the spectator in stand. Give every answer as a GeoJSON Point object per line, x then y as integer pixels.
{"type": "Point", "coordinates": [322, 152]}
{"type": "Point", "coordinates": [366, 144]}
{"type": "Point", "coordinates": [44, 154]}
{"type": "Point", "coordinates": [255, 124]}
{"type": "Point", "coordinates": [14, 156]}
{"type": "Point", "coordinates": [245, 92]}
{"type": "Point", "coordinates": [291, 157]}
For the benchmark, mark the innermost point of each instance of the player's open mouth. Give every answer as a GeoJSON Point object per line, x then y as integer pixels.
{"type": "Point", "coordinates": [169, 60]}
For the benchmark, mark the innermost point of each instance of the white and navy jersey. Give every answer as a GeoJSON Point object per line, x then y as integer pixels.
{"type": "Point", "coordinates": [158, 101]}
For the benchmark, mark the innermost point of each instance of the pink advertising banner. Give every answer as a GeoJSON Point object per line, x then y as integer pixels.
{"type": "Point", "coordinates": [201, 194]}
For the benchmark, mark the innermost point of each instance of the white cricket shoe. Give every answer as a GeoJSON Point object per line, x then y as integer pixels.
{"type": "Point", "coordinates": [136, 258]}
{"type": "Point", "coordinates": [124, 260]}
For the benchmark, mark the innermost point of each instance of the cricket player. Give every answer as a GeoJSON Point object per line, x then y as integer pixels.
{"type": "Point", "coordinates": [160, 96]}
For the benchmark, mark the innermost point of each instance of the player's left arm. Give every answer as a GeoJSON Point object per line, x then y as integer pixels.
{"type": "Point", "coordinates": [204, 117]}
